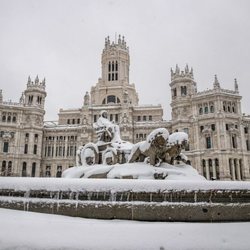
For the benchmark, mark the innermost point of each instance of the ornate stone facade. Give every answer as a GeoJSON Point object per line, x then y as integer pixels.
{"type": "Point", "coordinates": [219, 137]}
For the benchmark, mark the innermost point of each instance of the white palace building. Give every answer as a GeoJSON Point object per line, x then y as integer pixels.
{"type": "Point", "coordinates": [219, 133]}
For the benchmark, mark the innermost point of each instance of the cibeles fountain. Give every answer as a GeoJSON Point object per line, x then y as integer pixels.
{"type": "Point", "coordinates": [158, 157]}
{"type": "Point", "coordinates": [115, 179]}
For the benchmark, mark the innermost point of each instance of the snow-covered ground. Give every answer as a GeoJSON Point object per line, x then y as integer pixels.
{"type": "Point", "coordinates": [28, 230]}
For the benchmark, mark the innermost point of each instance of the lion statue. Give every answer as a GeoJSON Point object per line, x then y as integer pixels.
{"type": "Point", "coordinates": [159, 147]}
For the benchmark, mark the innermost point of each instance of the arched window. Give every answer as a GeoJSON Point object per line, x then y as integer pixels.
{"type": "Point", "coordinates": [109, 66]}
{"type": "Point", "coordinates": [111, 99]}
{"type": "Point", "coordinates": [33, 170]}
{"type": "Point", "coordinates": [212, 109]}
{"type": "Point", "coordinates": [104, 101]}
{"type": "Point", "coordinates": [116, 66]}
{"type": "Point", "coordinates": [59, 171]}
{"type": "Point", "coordinates": [9, 118]}
{"type": "Point", "coordinates": [206, 110]}
{"type": "Point", "coordinates": [113, 66]}
{"type": "Point", "coordinates": [24, 169]}
{"type": "Point", "coordinates": [217, 169]}
{"type": "Point", "coordinates": [200, 110]}
{"type": "Point", "coordinates": [4, 118]}
{"type": "Point", "coordinates": [47, 172]}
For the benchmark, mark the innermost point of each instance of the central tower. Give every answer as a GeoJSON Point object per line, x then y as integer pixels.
{"type": "Point", "coordinates": [115, 62]}
{"type": "Point", "coordinates": [114, 86]}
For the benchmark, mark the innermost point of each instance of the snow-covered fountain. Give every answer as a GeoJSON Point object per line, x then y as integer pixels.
{"type": "Point", "coordinates": [114, 179]}
{"type": "Point", "coordinates": [158, 157]}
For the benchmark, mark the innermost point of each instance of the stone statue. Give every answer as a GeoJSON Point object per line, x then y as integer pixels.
{"type": "Point", "coordinates": [109, 156]}
{"type": "Point", "coordinates": [106, 130]}
{"type": "Point", "coordinates": [159, 147]}
{"type": "Point", "coordinates": [87, 155]}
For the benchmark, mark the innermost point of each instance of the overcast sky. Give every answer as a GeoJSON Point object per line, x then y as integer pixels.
{"type": "Point", "coordinates": [63, 41]}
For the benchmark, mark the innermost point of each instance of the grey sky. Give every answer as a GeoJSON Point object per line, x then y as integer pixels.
{"type": "Point", "coordinates": [63, 41]}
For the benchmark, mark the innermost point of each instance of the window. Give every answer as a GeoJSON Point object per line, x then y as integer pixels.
{"type": "Point", "coordinates": [111, 99]}
{"type": "Point", "coordinates": [212, 109]}
{"type": "Point", "coordinates": [227, 127]}
{"type": "Point", "coordinates": [201, 128]}
{"type": "Point", "coordinates": [4, 118]}
{"type": "Point", "coordinates": [111, 117]}
{"type": "Point", "coordinates": [200, 110]}
{"type": "Point", "coordinates": [174, 92]}
{"type": "Point", "coordinates": [206, 110]}
{"type": "Point", "coordinates": [183, 90]}
{"type": "Point", "coordinates": [73, 121]}
{"type": "Point", "coordinates": [234, 141]}
{"type": "Point", "coordinates": [247, 144]}
{"type": "Point", "coordinates": [116, 118]}
{"type": "Point", "coordinates": [9, 119]}
{"type": "Point", "coordinates": [68, 121]}
{"type": "Point", "coordinates": [3, 170]}
{"type": "Point", "coordinates": [47, 172]}
{"type": "Point", "coordinates": [95, 118]}
{"type": "Point", "coordinates": [150, 118]}
{"type": "Point", "coordinates": [144, 118]}
{"type": "Point", "coordinates": [36, 137]}
{"type": "Point", "coordinates": [26, 149]}
{"type": "Point", "coordinates": [78, 121]}
{"type": "Point", "coordinates": [35, 149]}
{"type": "Point", "coordinates": [204, 168]}
{"type": "Point", "coordinates": [59, 171]}
{"type": "Point", "coordinates": [14, 119]}
{"type": "Point", "coordinates": [208, 142]}
{"type": "Point", "coordinates": [213, 127]}
{"type": "Point", "coordinates": [138, 118]}
{"type": "Point", "coordinates": [217, 169]}
{"type": "Point", "coordinates": [24, 169]}
{"type": "Point", "coordinates": [246, 130]}
{"type": "Point", "coordinates": [9, 172]}
{"type": "Point", "coordinates": [33, 171]}
{"type": "Point", "coordinates": [5, 147]}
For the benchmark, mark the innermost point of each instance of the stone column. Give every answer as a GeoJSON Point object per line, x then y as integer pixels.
{"type": "Point", "coordinates": [232, 169]}
{"type": "Point", "coordinates": [238, 173]}
{"type": "Point", "coordinates": [214, 169]}
{"type": "Point", "coordinates": [207, 170]}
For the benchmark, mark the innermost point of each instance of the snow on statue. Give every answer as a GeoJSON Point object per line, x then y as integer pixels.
{"type": "Point", "coordinates": [111, 157]}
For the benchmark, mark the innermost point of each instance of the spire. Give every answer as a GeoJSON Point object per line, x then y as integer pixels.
{"type": "Point", "coordinates": [44, 81]}
{"type": "Point", "coordinates": [21, 100]}
{"type": "Point", "coordinates": [186, 69]}
{"type": "Point", "coordinates": [172, 72]}
{"type": "Point", "coordinates": [236, 86]}
{"type": "Point", "coordinates": [37, 80]}
{"type": "Point", "coordinates": [177, 69]}
{"type": "Point", "coordinates": [29, 81]}
{"type": "Point", "coordinates": [216, 83]}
